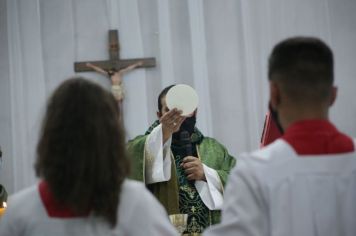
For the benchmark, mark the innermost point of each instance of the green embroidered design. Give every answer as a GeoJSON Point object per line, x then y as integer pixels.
{"type": "Point", "coordinates": [189, 199]}
{"type": "Point", "coordinates": [194, 226]}
{"type": "Point", "coordinates": [190, 191]}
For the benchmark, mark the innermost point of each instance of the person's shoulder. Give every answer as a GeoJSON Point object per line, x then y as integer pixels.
{"type": "Point", "coordinates": [24, 195]}
{"type": "Point", "coordinates": [134, 191]}
{"type": "Point", "coordinates": [211, 147]}
{"type": "Point", "coordinates": [210, 139]}
{"type": "Point", "coordinates": [212, 142]}
{"type": "Point", "coordinates": [136, 145]}
{"type": "Point", "coordinates": [135, 196]}
{"type": "Point", "coordinates": [138, 137]}
{"type": "Point", "coordinates": [254, 165]}
{"type": "Point", "coordinates": [138, 205]}
{"type": "Point", "coordinates": [142, 137]}
{"type": "Point", "coordinates": [133, 186]}
{"type": "Point", "coordinates": [23, 202]}
{"type": "Point", "coordinates": [277, 151]}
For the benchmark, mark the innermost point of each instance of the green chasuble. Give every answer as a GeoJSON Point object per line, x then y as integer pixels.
{"type": "Point", "coordinates": [179, 195]}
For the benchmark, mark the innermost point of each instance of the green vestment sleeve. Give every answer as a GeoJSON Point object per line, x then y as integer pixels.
{"type": "Point", "coordinates": [214, 155]}
{"type": "Point", "coordinates": [136, 149]}
{"type": "Point", "coordinates": [166, 192]}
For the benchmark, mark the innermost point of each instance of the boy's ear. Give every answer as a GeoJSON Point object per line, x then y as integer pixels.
{"type": "Point", "coordinates": [275, 94]}
{"type": "Point", "coordinates": [333, 95]}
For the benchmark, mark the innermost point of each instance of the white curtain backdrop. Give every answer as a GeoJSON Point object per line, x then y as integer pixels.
{"type": "Point", "coordinates": [220, 47]}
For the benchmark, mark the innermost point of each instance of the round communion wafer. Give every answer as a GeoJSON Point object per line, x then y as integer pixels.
{"type": "Point", "coordinates": [183, 97]}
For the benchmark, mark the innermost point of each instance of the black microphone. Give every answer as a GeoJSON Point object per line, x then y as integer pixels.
{"type": "Point", "coordinates": [186, 142]}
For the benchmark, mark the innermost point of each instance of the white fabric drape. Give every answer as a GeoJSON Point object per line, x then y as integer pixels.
{"type": "Point", "coordinates": [219, 47]}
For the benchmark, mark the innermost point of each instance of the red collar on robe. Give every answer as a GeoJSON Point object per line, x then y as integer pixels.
{"type": "Point", "coordinates": [316, 137]}
{"type": "Point", "coordinates": [53, 208]}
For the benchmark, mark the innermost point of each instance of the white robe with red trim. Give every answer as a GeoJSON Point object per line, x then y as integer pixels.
{"type": "Point", "coordinates": [139, 214]}
{"type": "Point", "coordinates": [275, 192]}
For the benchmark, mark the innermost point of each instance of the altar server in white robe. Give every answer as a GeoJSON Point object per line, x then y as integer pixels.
{"type": "Point", "coordinates": [82, 165]}
{"type": "Point", "coordinates": [304, 183]}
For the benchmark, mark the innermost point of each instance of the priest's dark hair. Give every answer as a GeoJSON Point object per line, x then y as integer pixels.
{"type": "Point", "coordinates": [81, 151]}
{"type": "Point", "coordinates": [303, 66]}
{"type": "Point", "coordinates": [163, 94]}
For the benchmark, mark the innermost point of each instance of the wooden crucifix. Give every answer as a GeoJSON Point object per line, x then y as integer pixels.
{"type": "Point", "coordinates": [114, 63]}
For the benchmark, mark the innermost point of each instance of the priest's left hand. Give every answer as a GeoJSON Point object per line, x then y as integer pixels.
{"type": "Point", "coordinates": [193, 168]}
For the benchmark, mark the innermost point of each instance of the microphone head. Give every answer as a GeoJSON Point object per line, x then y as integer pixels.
{"type": "Point", "coordinates": [186, 142]}
{"type": "Point", "coordinates": [185, 137]}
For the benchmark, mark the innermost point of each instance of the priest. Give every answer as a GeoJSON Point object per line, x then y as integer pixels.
{"type": "Point", "coordinates": [304, 182]}
{"type": "Point", "coordinates": [186, 174]}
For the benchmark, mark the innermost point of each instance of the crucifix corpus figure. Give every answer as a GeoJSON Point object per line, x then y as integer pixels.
{"type": "Point", "coordinates": [115, 67]}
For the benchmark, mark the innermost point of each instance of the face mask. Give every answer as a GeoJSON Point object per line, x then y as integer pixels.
{"type": "Point", "coordinates": [274, 115]}
{"type": "Point", "coordinates": [187, 125]}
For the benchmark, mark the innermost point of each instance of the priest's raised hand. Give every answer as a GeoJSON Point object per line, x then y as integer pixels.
{"type": "Point", "coordinates": [171, 122]}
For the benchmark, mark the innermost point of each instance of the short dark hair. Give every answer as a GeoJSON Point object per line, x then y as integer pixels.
{"type": "Point", "coordinates": [304, 68]}
{"type": "Point", "coordinates": [162, 94]}
{"type": "Point", "coordinates": [81, 150]}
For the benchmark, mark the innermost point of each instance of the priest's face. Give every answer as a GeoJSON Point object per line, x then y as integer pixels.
{"type": "Point", "coordinates": [164, 108]}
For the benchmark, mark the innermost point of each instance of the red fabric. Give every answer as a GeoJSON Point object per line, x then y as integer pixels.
{"type": "Point", "coordinates": [53, 208]}
{"type": "Point", "coordinates": [313, 137]}
{"type": "Point", "coordinates": [270, 131]}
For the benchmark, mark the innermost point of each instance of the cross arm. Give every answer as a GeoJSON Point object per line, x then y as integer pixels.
{"type": "Point", "coordinates": [115, 64]}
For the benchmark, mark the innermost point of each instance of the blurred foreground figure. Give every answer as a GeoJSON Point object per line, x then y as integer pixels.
{"type": "Point", "coordinates": [82, 164]}
{"type": "Point", "coordinates": [304, 183]}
